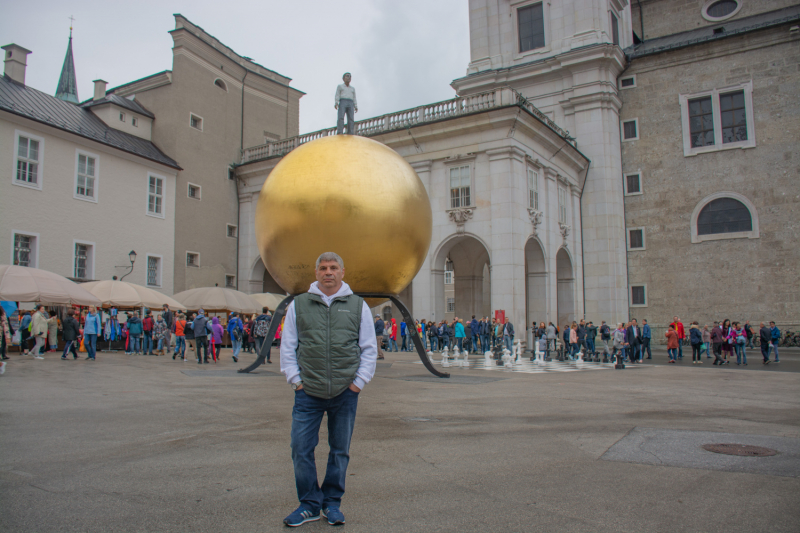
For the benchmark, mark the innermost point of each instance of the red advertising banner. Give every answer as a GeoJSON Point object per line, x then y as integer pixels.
{"type": "Point", "coordinates": [500, 315]}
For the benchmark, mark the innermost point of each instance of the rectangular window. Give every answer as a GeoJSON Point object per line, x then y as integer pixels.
{"type": "Point", "coordinates": [627, 83]}
{"type": "Point", "coordinates": [734, 117]}
{"type": "Point", "coordinates": [633, 184]}
{"type": "Point", "coordinates": [531, 27]}
{"type": "Point", "coordinates": [701, 122]}
{"type": "Point", "coordinates": [24, 250]}
{"type": "Point", "coordinates": [639, 295]}
{"type": "Point", "coordinates": [196, 122]}
{"type": "Point", "coordinates": [562, 205]}
{"type": "Point", "coordinates": [614, 29]}
{"type": "Point", "coordinates": [231, 174]}
{"type": "Point", "coordinates": [630, 130]}
{"type": "Point", "coordinates": [232, 231]}
{"type": "Point", "coordinates": [459, 187]}
{"type": "Point", "coordinates": [194, 191]}
{"type": "Point", "coordinates": [155, 196]}
{"type": "Point", "coordinates": [86, 176]}
{"type": "Point", "coordinates": [153, 271]}
{"type": "Point", "coordinates": [134, 122]}
{"type": "Point", "coordinates": [533, 189]}
{"type": "Point", "coordinates": [83, 261]}
{"type": "Point", "coordinates": [451, 305]}
{"type": "Point", "coordinates": [636, 239]}
{"type": "Point", "coordinates": [230, 282]}
{"type": "Point", "coordinates": [27, 161]}
{"type": "Point", "coordinates": [122, 117]}
{"type": "Point", "coordinates": [192, 259]}
{"type": "Point", "coordinates": [448, 277]}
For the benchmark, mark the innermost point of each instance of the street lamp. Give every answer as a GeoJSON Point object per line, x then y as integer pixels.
{"type": "Point", "coordinates": [132, 257]}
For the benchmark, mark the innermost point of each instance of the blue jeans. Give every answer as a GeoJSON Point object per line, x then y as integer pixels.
{"type": "Point", "coordinates": [161, 343]}
{"type": "Point", "coordinates": [90, 341]}
{"type": "Point", "coordinates": [590, 345]}
{"type": "Point", "coordinates": [741, 354]}
{"type": "Point", "coordinates": [180, 345]}
{"type": "Point", "coordinates": [509, 341]}
{"type": "Point", "coordinates": [392, 346]}
{"type": "Point", "coordinates": [680, 348]}
{"type": "Point", "coordinates": [306, 420]}
{"type": "Point", "coordinates": [774, 346]}
{"type": "Point", "coordinates": [404, 346]}
{"type": "Point", "coordinates": [345, 107]}
{"type": "Point", "coordinates": [707, 350]}
{"type": "Point", "coordinates": [135, 344]}
{"type": "Point", "coordinates": [673, 353]}
{"type": "Point", "coordinates": [434, 345]}
{"type": "Point", "coordinates": [486, 343]}
{"type": "Point", "coordinates": [237, 346]}
{"type": "Point", "coordinates": [460, 343]}
{"type": "Point", "coordinates": [148, 343]}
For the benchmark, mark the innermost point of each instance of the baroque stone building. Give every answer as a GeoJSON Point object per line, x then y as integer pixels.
{"type": "Point", "coordinates": [563, 177]}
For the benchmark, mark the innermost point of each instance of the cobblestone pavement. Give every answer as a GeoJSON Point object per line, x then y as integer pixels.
{"type": "Point", "coordinates": [131, 443]}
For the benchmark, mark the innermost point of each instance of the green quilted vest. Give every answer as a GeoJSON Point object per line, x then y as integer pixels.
{"type": "Point", "coordinates": [327, 351]}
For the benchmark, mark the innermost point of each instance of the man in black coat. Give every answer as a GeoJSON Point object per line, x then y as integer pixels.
{"type": "Point", "coordinates": [71, 330]}
{"type": "Point", "coordinates": [765, 336]}
{"type": "Point", "coordinates": [633, 335]}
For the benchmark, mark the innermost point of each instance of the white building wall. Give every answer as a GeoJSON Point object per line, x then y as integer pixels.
{"type": "Point", "coordinates": [115, 224]}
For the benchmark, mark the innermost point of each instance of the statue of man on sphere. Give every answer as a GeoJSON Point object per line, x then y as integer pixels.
{"type": "Point", "coordinates": [346, 102]}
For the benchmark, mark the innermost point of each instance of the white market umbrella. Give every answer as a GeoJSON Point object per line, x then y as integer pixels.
{"type": "Point", "coordinates": [218, 299]}
{"type": "Point", "coordinates": [27, 284]}
{"type": "Point", "coordinates": [123, 294]}
{"type": "Point", "coordinates": [268, 299]}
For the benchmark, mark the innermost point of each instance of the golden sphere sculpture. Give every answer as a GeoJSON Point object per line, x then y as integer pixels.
{"type": "Point", "coordinates": [350, 195]}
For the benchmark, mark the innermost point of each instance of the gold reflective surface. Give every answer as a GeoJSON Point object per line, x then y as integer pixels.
{"type": "Point", "coordinates": [350, 195]}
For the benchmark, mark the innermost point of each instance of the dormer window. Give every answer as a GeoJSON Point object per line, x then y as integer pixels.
{"type": "Point", "coordinates": [122, 117]}
{"type": "Point", "coordinates": [134, 122]}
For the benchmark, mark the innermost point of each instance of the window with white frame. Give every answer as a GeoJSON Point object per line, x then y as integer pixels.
{"type": "Point", "coordinates": [530, 26]}
{"type": "Point", "coordinates": [86, 178]}
{"type": "Point", "coordinates": [233, 231]}
{"type": "Point", "coordinates": [195, 122]}
{"type": "Point", "coordinates": [134, 122]}
{"type": "Point", "coordinates": [719, 10]}
{"type": "Point", "coordinates": [230, 281]}
{"type": "Point", "coordinates": [193, 191]}
{"type": "Point", "coordinates": [630, 130]}
{"type": "Point", "coordinates": [155, 196]}
{"type": "Point", "coordinates": [724, 215]}
{"type": "Point", "coordinates": [83, 259]}
{"type": "Point", "coordinates": [533, 189]}
{"type": "Point", "coordinates": [192, 259]}
{"type": "Point", "coordinates": [633, 184]}
{"type": "Point", "coordinates": [614, 29]}
{"type": "Point", "coordinates": [448, 272]}
{"type": "Point", "coordinates": [451, 305]}
{"type": "Point", "coordinates": [154, 270]}
{"type": "Point", "coordinates": [719, 119]}
{"type": "Point", "coordinates": [628, 82]}
{"type": "Point", "coordinates": [122, 117]}
{"type": "Point", "coordinates": [636, 239]}
{"type": "Point", "coordinates": [460, 187]}
{"type": "Point", "coordinates": [562, 205]}
{"type": "Point", "coordinates": [638, 296]}
{"type": "Point", "coordinates": [29, 157]}
{"type": "Point", "coordinates": [25, 250]}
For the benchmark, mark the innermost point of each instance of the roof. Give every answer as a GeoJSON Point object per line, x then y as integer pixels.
{"type": "Point", "coordinates": [35, 105]}
{"type": "Point", "coordinates": [714, 32]}
{"type": "Point", "coordinates": [67, 85]}
{"type": "Point", "coordinates": [127, 103]}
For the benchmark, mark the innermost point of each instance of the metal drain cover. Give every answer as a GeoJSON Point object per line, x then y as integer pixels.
{"type": "Point", "coordinates": [744, 450]}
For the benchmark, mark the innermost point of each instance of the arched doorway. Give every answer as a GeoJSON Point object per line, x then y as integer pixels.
{"type": "Point", "coordinates": [566, 287]}
{"type": "Point", "coordinates": [470, 267]}
{"type": "Point", "coordinates": [262, 281]}
{"type": "Point", "coordinates": [535, 282]}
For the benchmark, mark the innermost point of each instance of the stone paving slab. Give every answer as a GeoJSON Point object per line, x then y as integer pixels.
{"type": "Point", "coordinates": [670, 447]}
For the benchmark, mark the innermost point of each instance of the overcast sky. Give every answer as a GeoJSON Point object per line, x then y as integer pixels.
{"type": "Point", "coordinates": [402, 53]}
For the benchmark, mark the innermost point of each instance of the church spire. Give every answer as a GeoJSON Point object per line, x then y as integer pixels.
{"type": "Point", "coordinates": [67, 85]}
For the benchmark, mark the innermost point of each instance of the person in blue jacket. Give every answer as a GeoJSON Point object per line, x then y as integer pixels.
{"type": "Point", "coordinates": [475, 328]}
{"type": "Point", "coordinates": [404, 336]}
{"type": "Point", "coordinates": [91, 329]}
{"type": "Point", "coordinates": [776, 338]}
{"type": "Point", "coordinates": [235, 332]}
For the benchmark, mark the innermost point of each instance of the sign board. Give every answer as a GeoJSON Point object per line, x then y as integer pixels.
{"type": "Point", "coordinates": [500, 316]}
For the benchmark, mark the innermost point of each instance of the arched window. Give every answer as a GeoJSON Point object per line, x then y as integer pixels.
{"type": "Point", "coordinates": [221, 84]}
{"type": "Point", "coordinates": [724, 216]}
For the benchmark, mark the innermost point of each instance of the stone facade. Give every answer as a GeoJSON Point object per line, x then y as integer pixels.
{"type": "Point", "coordinates": [754, 278]}
{"type": "Point", "coordinates": [237, 103]}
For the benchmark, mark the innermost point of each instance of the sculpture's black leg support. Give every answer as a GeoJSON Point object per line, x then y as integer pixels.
{"type": "Point", "coordinates": [266, 346]}
{"type": "Point", "coordinates": [412, 332]}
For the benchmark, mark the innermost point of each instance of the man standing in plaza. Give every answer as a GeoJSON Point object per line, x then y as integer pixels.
{"type": "Point", "coordinates": [634, 338]}
{"type": "Point", "coordinates": [681, 334]}
{"type": "Point", "coordinates": [508, 334]}
{"type": "Point", "coordinates": [765, 336]}
{"type": "Point", "coordinates": [346, 103]}
{"type": "Point", "coordinates": [261, 330]}
{"type": "Point", "coordinates": [328, 354]}
{"type": "Point", "coordinates": [475, 329]}
{"type": "Point", "coordinates": [380, 325]}
{"type": "Point", "coordinates": [169, 318]}
{"type": "Point", "coordinates": [148, 324]}
{"type": "Point", "coordinates": [201, 336]}
{"type": "Point", "coordinates": [776, 339]}
{"type": "Point", "coordinates": [647, 334]}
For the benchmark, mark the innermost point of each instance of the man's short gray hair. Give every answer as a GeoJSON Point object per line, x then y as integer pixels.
{"type": "Point", "coordinates": [346, 74]}
{"type": "Point", "coordinates": [329, 256]}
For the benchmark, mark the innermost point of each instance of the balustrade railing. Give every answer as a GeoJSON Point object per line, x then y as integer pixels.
{"type": "Point", "coordinates": [462, 105]}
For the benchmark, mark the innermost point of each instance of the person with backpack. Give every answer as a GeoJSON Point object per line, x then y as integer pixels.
{"type": "Point", "coordinates": [591, 336]}
{"type": "Point", "coordinates": [738, 338]}
{"type": "Point", "coordinates": [776, 338]}
{"type": "Point", "coordinates": [188, 333]}
{"type": "Point", "coordinates": [605, 336]}
{"type": "Point", "coordinates": [236, 333]}
{"type": "Point", "coordinates": [696, 339]}
{"type": "Point", "coordinates": [261, 330]}
{"type": "Point", "coordinates": [169, 318]}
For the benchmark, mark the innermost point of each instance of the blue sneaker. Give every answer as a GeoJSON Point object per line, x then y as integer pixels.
{"type": "Point", "coordinates": [334, 516]}
{"type": "Point", "coordinates": [300, 516]}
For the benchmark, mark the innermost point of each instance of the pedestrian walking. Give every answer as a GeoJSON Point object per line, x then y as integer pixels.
{"type": "Point", "coordinates": [180, 337]}
{"type": "Point", "coordinates": [392, 346]}
{"type": "Point", "coordinates": [573, 340]}
{"type": "Point", "coordinates": [748, 329]}
{"type": "Point", "coordinates": [672, 343]}
{"type": "Point", "coordinates": [91, 330]}
{"type": "Point", "coordinates": [261, 330]}
{"type": "Point", "coordinates": [765, 337]}
{"type": "Point", "coordinates": [328, 356]}
{"type": "Point", "coordinates": [458, 326]}
{"type": "Point", "coordinates": [148, 324]}
{"type": "Point", "coordinates": [681, 334]}
{"type": "Point", "coordinates": [379, 327]}
{"type": "Point", "coordinates": [160, 334]}
{"type": "Point", "coordinates": [135, 331]}
{"type": "Point", "coordinates": [591, 336]}
{"type": "Point", "coordinates": [201, 329]}
{"type": "Point", "coordinates": [25, 331]}
{"type": "Point", "coordinates": [52, 333]}
{"type": "Point", "coordinates": [738, 338]}
{"type": "Point", "coordinates": [432, 337]}
{"type": "Point", "coordinates": [236, 333]}
{"type": "Point", "coordinates": [776, 339]}
{"type": "Point", "coordinates": [169, 319]}
{"type": "Point", "coordinates": [508, 334]}
{"type": "Point", "coordinates": [727, 344]}
{"type": "Point", "coordinates": [696, 340]}
{"type": "Point", "coordinates": [552, 335]}
{"type": "Point", "coordinates": [217, 332]}
{"type": "Point", "coordinates": [582, 335]}
{"type": "Point", "coordinates": [633, 336]}
{"type": "Point", "coordinates": [717, 339]}
{"type": "Point", "coordinates": [647, 335]}
{"type": "Point", "coordinates": [38, 328]}
{"type": "Point", "coordinates": [403, 337]}
{"type": "Point", "coordinates": [71, 331]}
{"type": "Point", "coordinates": [619, 343]}
{"type": "Point", "coordinates": [188, 332]}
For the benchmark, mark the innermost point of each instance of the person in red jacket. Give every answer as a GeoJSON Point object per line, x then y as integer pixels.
{"type": "Point", "coordinates": [147, 325]}
{"type": "Point", "coordinates": [678, 325]}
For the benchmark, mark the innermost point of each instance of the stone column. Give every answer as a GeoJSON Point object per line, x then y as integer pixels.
{"type": "Point", "coordinates": [577, 250]}
{"type": "Point", "coordinates": [551, 239]}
